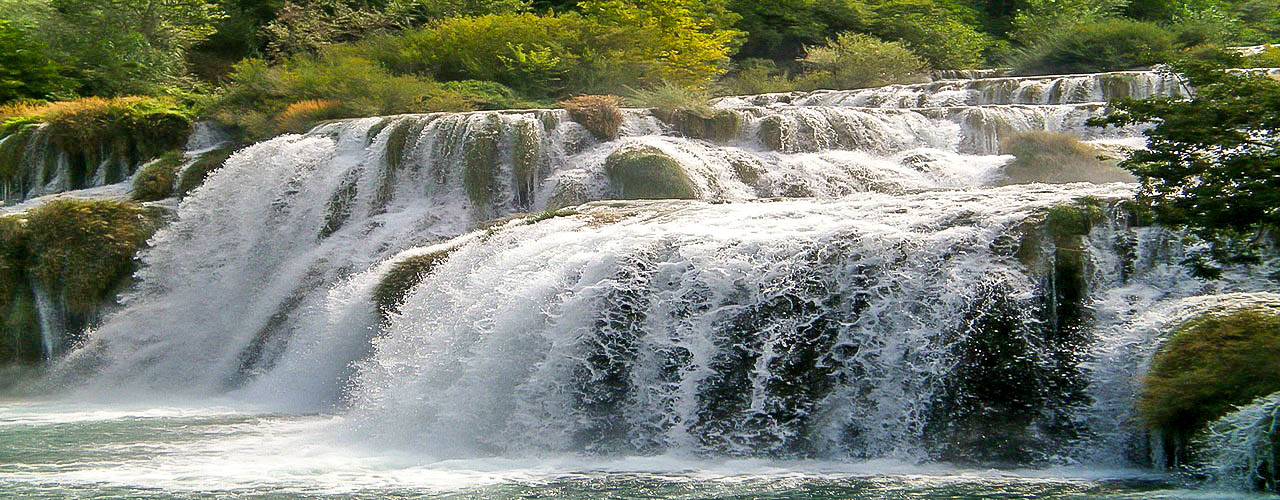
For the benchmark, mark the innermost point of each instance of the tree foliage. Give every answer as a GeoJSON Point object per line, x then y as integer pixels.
{"type": "Point", "coordinates": [26, 71]}
{"type": "Point", "coordinates": [1106, 45]}
{"type": "Point", "coordinates": [943, 32]}
{"type": "Point", "coordinates": [854, 60]}
{"type": "Point", "coordinates": [1212, 162]}
{"type": "Point", "coordinates": [117, 47]}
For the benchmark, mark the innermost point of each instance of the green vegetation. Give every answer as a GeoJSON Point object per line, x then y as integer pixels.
{"type": "Point", "coordinates": [402, 277]}
{"type": "Point", "coordinates": [116, 48]}
{"type": "Point", "coordinates": [156, 179]}
{"type": "Point", "coordinates": [647, 173]}
{"type": "Point", "coordinates": [599, 114]}
{"type": "Point", "coordinates": [1054, 159]}
{"type": "Point", "coordinates": [668, 98]}
{"type": "Point", "coordinates": [1208, 365]}
{"type": "Point", "coordinates": [853, 60]}
{"type": "Point", "coordinates": [78, 249]}
{"type": "Point", "coordinates": [1106, 45]}
{"type": "Point", "coordinates": [1210, 161]}
{"type": "Point", "coordinates": [26, 70]}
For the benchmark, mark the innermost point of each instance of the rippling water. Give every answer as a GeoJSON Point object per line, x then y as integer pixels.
{"type": "Point", "coordinates": [54, 450]}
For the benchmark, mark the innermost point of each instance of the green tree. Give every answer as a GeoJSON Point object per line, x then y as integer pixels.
{"type": "Point", "coordinates": [119, 47]}
{"type": "Point", "coordinates": [1106, 45]}
{"type": "Point", "coordinates": [930, 30]}
{"type": "Point", "coordinates": [26, 71]}
{"type": "Point", "coordinates": [943, 32]}
{"type": "Point", "coordinates": [1039, 19]}
{"type": "Point", "coordinates": [1212, 163]}
{"type": "Point", "coordinates": [854, 60]}
{"type": "Point", "coordinates": [307, 25]}
{"type": "Point", "coordinates": [693, 39]}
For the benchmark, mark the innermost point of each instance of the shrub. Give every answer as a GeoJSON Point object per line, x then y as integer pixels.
{"type": "Point", "coordinates": [155, 181]}
{"type": "Point", "coordinates": [195, 174]}
{"type": "Point", "coordinates": [648, 173]}
{"type": "Point", "coordinates": [1107, 45]}
{"type": "Point", "coordinates": [754, 76]}
{"type": "Point", "coordinates": [550, 56]}
{"type": "Point", "coordinates": [1210, 364]}
{"type": "Point", "coordinates": [480, 95]}
{"type": "Point", "coordinates": [82, 249]}
{"type": "Point", "coordinates": [1039, 19]}
{"type": "Point", "coordinates": [300, 116]}
{"type": "Point", "coordinates": [667, 98]}
{"type": "Point", "coordinates": [598, 113]}
{"type": "Point", "coordinates": [340, 82]}
{"type": "Point", "coordinates": [156, 124]}
{"type": "Point", "coordinates": [854, 60]}
{"type": "Point", "coordinates": [1056, 159]}
{"type": "Point", "coordinates": [258, 93]}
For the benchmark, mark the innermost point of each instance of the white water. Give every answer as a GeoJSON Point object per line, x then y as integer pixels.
{"type": "Point", "coordinates": [837, 326]}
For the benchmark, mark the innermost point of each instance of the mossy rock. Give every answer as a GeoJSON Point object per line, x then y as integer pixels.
{"type": "Point", "coordinates": [1055, 158]}
{"type": "Point", "coordinates": [194, 175]}
{"type": "Point", "coordinates": [156, 179]}
{"type": "Point", "coordinates": [13, 153]}
{"type": "Point", "coordinates": [19, 322]}
{"type": "Point", "coordinates": [527, 156]}
{"type": "Point", "coordinates": [135, 129]}
{"type": "Point", "coordinates": [1064, 225]}
{"type": "Point", "coordinates": [1210, 364]}
{"type": "Point", "coordinates": [403, 134]}
{"type": "Point", "coordinates": [395, 285]}
{"type": "Point", "coordinates": [747, 168]}
{"type": "Point", "coordinates": [720, 126]}
{"type": "Point", "coordinates": [83, 248]}
{"type": "Point", "coordinates": [340, 205]}
{"type": "Point", "coordinates": [1052, 247]}
{"type": "Point", "coordinates": [480, 153]}
{"type": "Point", "coordinates": [648, 173]}
{"type": "Point", "coordinates": [568, 192]}
{"type": "Point", "coordinates": [1117, 85]}
{"type": "Point", "coordinates": [772, 133]}
{"type": "Point", "coordinates": [1069, 222]}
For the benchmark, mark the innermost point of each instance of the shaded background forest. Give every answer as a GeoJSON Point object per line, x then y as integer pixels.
{"type": "Point", "coordinates": [266, 67]}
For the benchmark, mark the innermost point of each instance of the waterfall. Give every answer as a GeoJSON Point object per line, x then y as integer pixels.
{"type": "Point", "coordinates": [52, 321]}
{"type": "Point", "coordinates": [1034, 90]}
{"type": "Point", "coordinates": [845, 284]}
{"type": "Point", "coordinates": [1241, 446]}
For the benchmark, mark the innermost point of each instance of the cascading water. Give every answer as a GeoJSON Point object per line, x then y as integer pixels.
{"type": "Point", "coordinates": [845, 287]}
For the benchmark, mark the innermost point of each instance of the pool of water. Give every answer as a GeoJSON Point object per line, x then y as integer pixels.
{"type": "Point", "coordinates": [56, 450]}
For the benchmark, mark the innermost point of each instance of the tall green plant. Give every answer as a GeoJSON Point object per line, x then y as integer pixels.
{"type": "Point", "coordinates": [1212, 162]}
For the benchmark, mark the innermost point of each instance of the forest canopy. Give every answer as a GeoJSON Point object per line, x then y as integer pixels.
{"type": "Point", "coordinates": [249, 62]}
